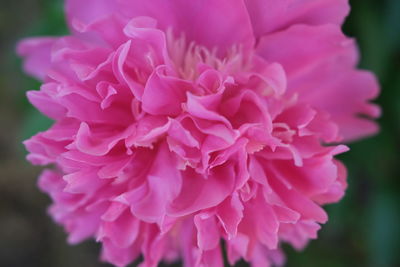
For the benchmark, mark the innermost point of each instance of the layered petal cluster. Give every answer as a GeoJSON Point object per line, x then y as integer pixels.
{"type": "Point", "coordinates": [181, 127]}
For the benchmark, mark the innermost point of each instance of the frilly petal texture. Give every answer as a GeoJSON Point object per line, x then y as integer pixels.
{"type": "Point", "coordinates": [181, 125]}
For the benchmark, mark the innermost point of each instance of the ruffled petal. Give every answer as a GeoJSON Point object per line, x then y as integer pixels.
{"type": "Point", "coordinates": [327, 61]}
{"type": "Point", "coordinates": [37, 55]}
{"type": "Point", "coordinates": [211, 191]}
{"type": "Point", "coordinates": [318, 44]}
{"type": "Point", "coordinates": [200, 22]}
{"type": "Point", "coordinates": [172, 90]}
{"type": "Point", "coordinates": [88, 12]}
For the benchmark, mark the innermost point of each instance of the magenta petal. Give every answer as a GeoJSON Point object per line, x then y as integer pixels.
{"type": "Point", "coordinates": [213, 258]}
{"type": "Point", "coordinates": [199, 22]}
{"type": "Point", "coordinates": [79, 182]}
{"type": "Point", "coordinates": [318, 43]}
{"type": "Point", "coordinates": [294, 200]}
{"type": "Point", "coordinates": [163, 95]}
{"type": "Point", "coordinates": [230, 213]}
{"type": "Point", "coordinates": [207, 231]}
{"type": "Point", "coordinates": [46, 104]}
{"type": "Point", "coordinates": [122, 232]}
{"type": "Point", "coordinates": [326, 60]}
{"type": "Point", "coordinates": [282, 14]}
{"type": "Point", "coordinates": [88, 143]}
{"type": "Point", "coordinates": [119, 257]}
{"type": "Point", "coordinates": [36, 52]}
{"type": "Point", "coordinates": [211, 191]}
{"type": "Point", "coordinates": [89, 12]}
{"type": "Point", "coordinates": [150, 201]}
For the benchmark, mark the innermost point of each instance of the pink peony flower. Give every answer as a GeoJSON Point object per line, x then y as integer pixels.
{"type": "Point", "coordinates": [184, 125]}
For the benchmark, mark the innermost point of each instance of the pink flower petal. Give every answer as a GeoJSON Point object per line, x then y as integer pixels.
{"type": "Point", "coordinates": [199, 22]}
{"type": "Point", "coordinates": [36, 52]}
{"type": "Point", "coordinates": [283, 14]}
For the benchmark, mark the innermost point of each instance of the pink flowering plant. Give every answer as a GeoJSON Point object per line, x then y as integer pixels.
{"type": "Point", "coordinates": [184, 126]}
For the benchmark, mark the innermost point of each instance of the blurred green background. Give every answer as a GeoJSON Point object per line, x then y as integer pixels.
{"type": "Point", "coordinates": [363, 230]}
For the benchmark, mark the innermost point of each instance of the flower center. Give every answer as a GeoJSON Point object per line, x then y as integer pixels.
{"type": "Point", "coordinates": [189, 57]}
